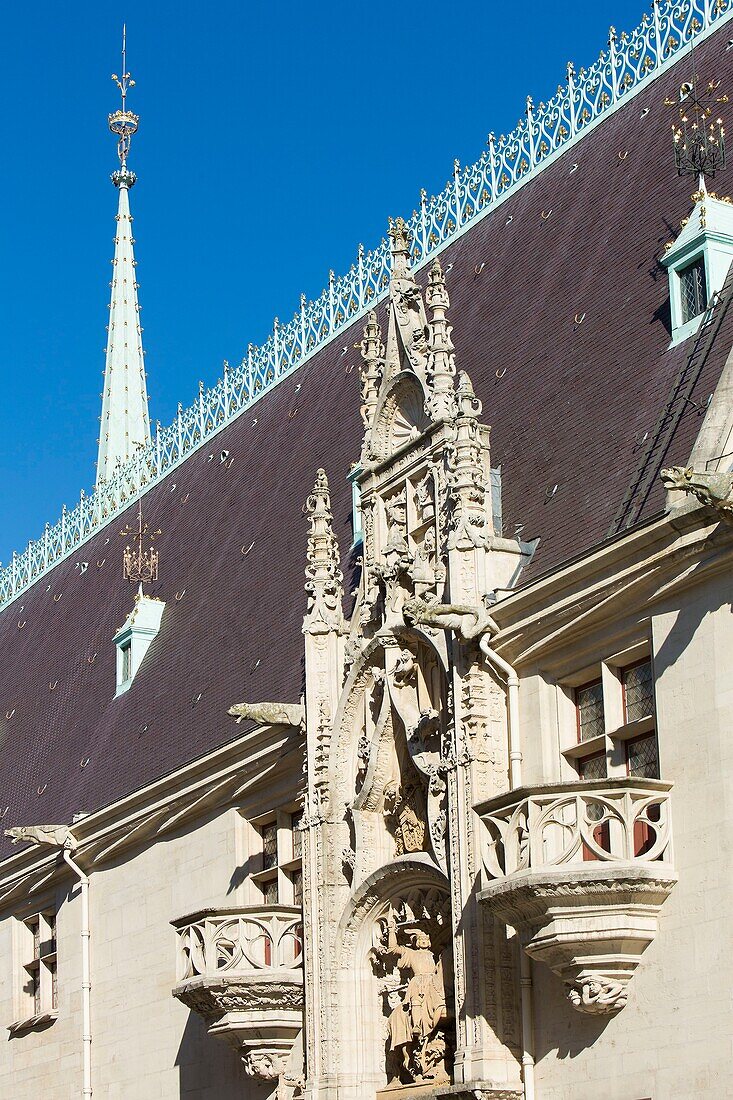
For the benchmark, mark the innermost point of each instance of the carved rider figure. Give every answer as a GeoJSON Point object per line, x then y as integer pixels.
{"type": "Point", "coordinates": [414, 1022]}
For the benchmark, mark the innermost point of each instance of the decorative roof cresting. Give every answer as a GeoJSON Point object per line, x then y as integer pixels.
{"type": "Point", "coordinates": [629, 62]}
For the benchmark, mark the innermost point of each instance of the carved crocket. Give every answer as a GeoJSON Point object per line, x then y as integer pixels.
{"type": "Point", "coordinates": [712, 489]}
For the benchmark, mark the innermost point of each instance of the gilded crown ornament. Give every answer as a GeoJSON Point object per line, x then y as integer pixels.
{"type": "Point", "coordinates": [140, 566]}
{"type": "Point", "coordinates": [123, 123]}
{"type": "Point", "coordinates": [699, 136]}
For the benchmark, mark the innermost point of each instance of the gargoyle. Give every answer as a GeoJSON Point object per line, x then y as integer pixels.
{"type": "Point", "coordinates": [270, 714]}
{"type": "Point", "coordinates": [469, 623]}
{"type": "Point", "coordinates": [712, 489]}
{"type": "Point", "coordinates": [59, 836]}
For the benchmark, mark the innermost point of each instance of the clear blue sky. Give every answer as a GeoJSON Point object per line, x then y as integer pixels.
{"type": "Point", "coordinates": [273, 138]}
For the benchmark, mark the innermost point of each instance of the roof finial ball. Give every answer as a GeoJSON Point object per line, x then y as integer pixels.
{"type": "Point", "coordinates": [123, 123]}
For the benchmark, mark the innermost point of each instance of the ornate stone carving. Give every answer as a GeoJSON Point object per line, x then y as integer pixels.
{"type": "Point", "coordinates": [470, 524]}
{"type": "Point", "coordinates": [579, 870]}
{"type": "Point", "coordinates": [324, 579]}
{"type": "Point", "coordinates": [388, 804]}
{"type": "Point", "coordinates": [469, 623]}
{"type": "Point", "coordinates": [59, 836]}
{"type": "Point", "coordinates": [262, 1064]}
{"type": "Point", "coordinates": [407, 338]}
{"type": "Point", "coordinates": [372, 353]}
{"type": "Point", "coordinates": [406, 814]}
{"type": "Point", "coordinates": [415, 940]}
{"type": "Point", "coordinates": [242, 970]}
{"type": "Point", "coordinates": [441, 366]}
{"type": "Point", "coordinates": [598, 995]}
{"type": "Point", "coordinates": [712, 489]}
{"type": "Point", "coordinates": [269, 714]}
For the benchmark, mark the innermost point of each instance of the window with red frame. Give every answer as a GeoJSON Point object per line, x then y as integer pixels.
{"type": "Point", "coordinates": [594, 767]}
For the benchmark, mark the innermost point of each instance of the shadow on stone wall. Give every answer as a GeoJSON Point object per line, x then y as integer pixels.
{"type": "Point", "coordinates": [209, 1068]}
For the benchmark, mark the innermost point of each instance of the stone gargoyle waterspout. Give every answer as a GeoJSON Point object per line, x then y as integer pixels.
{"type": "Point", "coordinates": [469, 623]}
{"type": "Point", "coordinates": [269, 714]}
{"type": "Point", "coordinates": [712, 489]}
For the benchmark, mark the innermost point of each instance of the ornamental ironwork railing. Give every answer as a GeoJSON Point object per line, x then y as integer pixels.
{"type": "Point", "coordinates": [606, 820]}
{"type": "Point", "coordinates": [228, 941]}
{"type": "Point", "coordinates": [627, 63]}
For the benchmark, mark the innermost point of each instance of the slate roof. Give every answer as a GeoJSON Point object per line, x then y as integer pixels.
{"type": "Point", "coordinates": [568, 400]}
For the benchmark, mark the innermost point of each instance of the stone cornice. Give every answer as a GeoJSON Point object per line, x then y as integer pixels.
{"type": "Point", "coordinates": [639, 568]}
{"type": "Point", "coordinates": [213, 781]}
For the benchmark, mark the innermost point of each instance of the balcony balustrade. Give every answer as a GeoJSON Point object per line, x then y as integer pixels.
{"type": "Point", "coordinates": [241, 969]}
{"type": "Point", "coordinates": [580, 870]}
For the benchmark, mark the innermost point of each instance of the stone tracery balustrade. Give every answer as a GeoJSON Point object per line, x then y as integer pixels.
{"type": "Point", "coordinates": [581, 870]}
{"type": "Point", "coordinates": [544, 132]}
{"type": "Point", "coordinates": [241, 969]}
{"type": "Point", "coordinates": [577, 822]}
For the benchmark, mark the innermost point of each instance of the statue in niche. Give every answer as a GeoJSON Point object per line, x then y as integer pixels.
{"type": "Point", "coordinates": [396, 512]}
{"type": "Point", "coordinates": [425, 560]}
{"type": "Point", "coordinates": [424, 497]}
{"type": "Point", "coordinates": [417, 1043]}
{"type": "Point", "coordinates": [405, 812]}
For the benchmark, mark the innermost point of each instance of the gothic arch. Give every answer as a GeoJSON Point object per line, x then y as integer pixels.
{"type": "Point", "coordinates": [400, 415]}
{"type": "Point", "coordinates": [343, 761]}
{"type": "Point", "coordinates": [357, 993]}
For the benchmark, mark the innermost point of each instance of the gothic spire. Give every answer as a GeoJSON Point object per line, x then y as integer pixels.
{"type": "Point", "coordinates": [125, 424]}
{"type": "Point", "coordinates": [324, 579]}
{"type": "Point", "coordinates": [441, 359]}
{"type": "Point", "coordinates": [408, 326]}
{"type": "Point", "coordinates": [372, 354]}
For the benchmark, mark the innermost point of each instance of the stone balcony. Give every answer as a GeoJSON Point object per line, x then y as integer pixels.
{"type": "Point", "coordinates": [241, 969]}
{"type": "Point", "coordinates": [581, 870]}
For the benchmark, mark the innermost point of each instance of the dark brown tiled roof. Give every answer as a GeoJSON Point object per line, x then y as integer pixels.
{"type": "Point", "coordinates": [569, 402]}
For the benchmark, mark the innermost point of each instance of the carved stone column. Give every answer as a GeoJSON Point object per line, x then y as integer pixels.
{"type": "Point", "coordinates": [323, 629]}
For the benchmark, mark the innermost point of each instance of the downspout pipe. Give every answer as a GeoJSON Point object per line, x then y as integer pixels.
{"type": "Point", "coordinates": [525, 992]}
{"type": "Point", "coordinates": [62, 839]}
{"type": "Point", "coordinates": [86, 978]}
{"type": "Point", "coordinates": [515, 780]}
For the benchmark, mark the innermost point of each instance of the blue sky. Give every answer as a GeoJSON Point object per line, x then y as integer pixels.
{"type": "Point", "coordinates": [273, 138]}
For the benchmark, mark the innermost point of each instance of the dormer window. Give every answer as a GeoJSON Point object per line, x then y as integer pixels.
{"type": "Point", "coordinates": [126, 661]}
{"type": "Point", "coordinates": [134, 637]}
{"type": "Point", "coordinates": [697, 262]}
{"type": "Point", "coordinates": [693, 290]}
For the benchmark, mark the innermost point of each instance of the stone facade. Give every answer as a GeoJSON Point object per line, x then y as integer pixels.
{"type": "Point", "coordinates": [478, 909]}
{"type": "Point", "coordinates": [484, 855]}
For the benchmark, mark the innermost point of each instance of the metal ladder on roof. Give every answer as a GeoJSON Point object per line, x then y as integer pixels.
{"type": "Point", "coordinates": [681, 395]}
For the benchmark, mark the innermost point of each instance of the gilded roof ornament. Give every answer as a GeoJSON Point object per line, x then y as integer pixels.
{"type": "Point", "coordinates": [123, 123]}
{"type": "Point", "coordinates": [140, 566]}
{"type": "Point", "coordinates": [698, 133]}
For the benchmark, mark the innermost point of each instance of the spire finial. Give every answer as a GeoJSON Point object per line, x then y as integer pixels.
{"type": "Point", "coordinates": [123, 123]}
{"type": "Point", "coordinates": [441, 367]}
